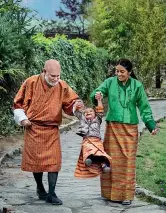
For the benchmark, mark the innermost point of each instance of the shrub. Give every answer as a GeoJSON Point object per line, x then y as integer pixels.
{"type": "Point", "coordinates": [83, 65]}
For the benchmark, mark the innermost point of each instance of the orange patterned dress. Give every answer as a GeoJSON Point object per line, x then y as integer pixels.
{"type": "Point", "coordinates": [91, 145]}
{"type": "Point", "coordinates": [120, 142]}
{"type": "Point", "coordinates": [43, 106]}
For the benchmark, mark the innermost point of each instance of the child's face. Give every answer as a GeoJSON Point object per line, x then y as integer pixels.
{"type": "Point", "coordinates": [89, 114]}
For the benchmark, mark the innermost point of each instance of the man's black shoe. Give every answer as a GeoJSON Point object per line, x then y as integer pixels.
{"type": "Point", "coordinates": [53, 199]}
{"type": "Point", "coordinates": [41, 194]}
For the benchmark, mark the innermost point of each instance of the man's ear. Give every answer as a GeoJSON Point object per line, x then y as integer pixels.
{"type": "Point", "coordinates": [44, 71]}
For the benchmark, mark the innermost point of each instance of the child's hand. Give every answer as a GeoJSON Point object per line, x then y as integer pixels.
{"type": "Point", "coordinates": [98, 96]}
{"type": "Point", "coordinates": [79, 104]}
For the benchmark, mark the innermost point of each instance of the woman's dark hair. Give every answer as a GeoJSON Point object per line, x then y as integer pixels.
{"type": "Point", "coordinates": [124, 62]}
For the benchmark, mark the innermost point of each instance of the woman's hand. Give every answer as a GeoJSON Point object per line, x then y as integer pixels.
{"type": "Point", "coordinates": [98, 96]}
{"type": "Point", "coordinates": [155, 131]}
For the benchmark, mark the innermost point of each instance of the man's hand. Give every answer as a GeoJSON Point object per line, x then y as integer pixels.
{"type": "Point", "coordinates": [155, 131]}
{"type": "Point", "coordinates": [79, 104]}
{"type": "Point", "coordinates": [98, 96]}
{"type": "Point", "coordinates": [26, 123]}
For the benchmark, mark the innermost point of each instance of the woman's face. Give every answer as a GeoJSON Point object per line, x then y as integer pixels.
{"type": "Point", "coordinates": [122, 74]}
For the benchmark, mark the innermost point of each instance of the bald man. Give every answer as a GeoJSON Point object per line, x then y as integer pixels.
{"type": "Point", "coordinates": [38, 107]}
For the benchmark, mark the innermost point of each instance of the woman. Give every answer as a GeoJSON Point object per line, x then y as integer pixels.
{"type": "Point", "coordinates": [124, 93]}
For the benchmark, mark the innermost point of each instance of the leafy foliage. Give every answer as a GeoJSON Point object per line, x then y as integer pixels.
{"type": "Point", "coordinates": [74, 15]}
{"type": "Point", "coordinates": [83, 65]}
{"type": "Point", "coordinates": [16, 52]}
{"type": "Point", "coordinates": [22, 53]}
{"type": "Point", "coordinates": [133, 29]}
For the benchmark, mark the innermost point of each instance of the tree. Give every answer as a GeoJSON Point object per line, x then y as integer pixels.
{"type": "Point", "coordinates": [74, 15]}
{"type": "Point", "coordinates": [21, 15]}
{"type": "Point", "coordinates": [133, 29]}
{"type": "Point", "coordinates": [16, 53]}
{"type": "Point", "coordinates": [15, 42]}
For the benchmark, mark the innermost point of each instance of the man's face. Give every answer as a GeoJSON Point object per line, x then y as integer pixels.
{"type": "Point", "coordinates": [52, 76]}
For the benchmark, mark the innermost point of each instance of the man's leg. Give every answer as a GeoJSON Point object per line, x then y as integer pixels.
{"type": "Point", "coordinates": [41, 193]}
{"type": "Point", "coordinates": [52, 197]}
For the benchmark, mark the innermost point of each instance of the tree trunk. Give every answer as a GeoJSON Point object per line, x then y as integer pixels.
{"type": "Point", "coordinates": [158, 78]}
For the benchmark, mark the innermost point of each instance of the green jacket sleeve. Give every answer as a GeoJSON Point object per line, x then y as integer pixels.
{"type": "Point", "coordinates": [145, 109]}
{"type": "Point", "coordinates": [103, 88]}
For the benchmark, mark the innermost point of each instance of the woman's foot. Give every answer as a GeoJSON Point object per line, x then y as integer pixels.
{"type": "Point", "coordinates": [126, 202]}
{"type": "Point", "coordinates": [88, 162]}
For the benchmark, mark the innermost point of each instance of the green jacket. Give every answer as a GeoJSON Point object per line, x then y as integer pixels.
{"type": "Point", "coordinates": [123, 101]}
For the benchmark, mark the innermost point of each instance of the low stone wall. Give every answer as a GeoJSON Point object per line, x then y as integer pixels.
{"type": "Point", "coordinates": [157, 93]}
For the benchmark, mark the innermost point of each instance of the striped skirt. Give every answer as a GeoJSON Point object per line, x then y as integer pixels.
{"type": "Point", "coordinates": [120, 143]}
{"type": "Point", "coordinates": [90, 146]}
{"type": "Point", "coordinates": [42, 149]}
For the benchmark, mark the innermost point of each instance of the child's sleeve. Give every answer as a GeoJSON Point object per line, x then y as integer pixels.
{"type": "Point", "coordinates": [77, 112]}
{"type": "Point", "coordinates": [99, 112]}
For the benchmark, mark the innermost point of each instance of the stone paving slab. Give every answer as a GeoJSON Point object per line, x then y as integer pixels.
{"type": "Point", "coordinates": [17, 188]}
{"type": "Point", "coordinates": [78, 195]}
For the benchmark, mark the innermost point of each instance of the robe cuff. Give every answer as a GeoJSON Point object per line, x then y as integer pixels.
{"type": "Point", "coordinates": [150, 125]}
{"type": "Point", "coordinates": [19, 115]}
{"type": "Point", "coordinates": [99, 109]}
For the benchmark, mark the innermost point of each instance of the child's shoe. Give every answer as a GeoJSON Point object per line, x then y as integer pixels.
{"type": "Point", "coordinates": [88, 162]}
{"type": "Point", "coordinates": [106, 169]}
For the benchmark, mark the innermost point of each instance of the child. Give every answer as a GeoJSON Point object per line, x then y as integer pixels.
{"type": "Point", "coordinates": [93, 160]}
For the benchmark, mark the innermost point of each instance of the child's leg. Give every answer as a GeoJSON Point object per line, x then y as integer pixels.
{"type": "Point", "coordinates": [100, 160]}
{"type": "Point", "coordinates": [94, 159]}
{"type": "Point", "coordinates": [105, 164]}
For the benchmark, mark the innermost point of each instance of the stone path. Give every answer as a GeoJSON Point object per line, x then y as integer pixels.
{"type": "Point", "coordinates": [17, 188]}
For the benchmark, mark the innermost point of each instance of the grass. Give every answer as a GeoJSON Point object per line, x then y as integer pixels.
{"type": "Point", "coordinates": [151, 161]}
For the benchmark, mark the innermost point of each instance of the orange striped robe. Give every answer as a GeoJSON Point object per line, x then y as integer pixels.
{"type": "Point", "coordinates": [43, 106]}
{"type": "Point", "coordinates": [90, 146]}
{"type": "Point", "coordinates": [121, 144]}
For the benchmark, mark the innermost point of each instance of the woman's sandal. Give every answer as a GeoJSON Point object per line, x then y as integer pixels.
{"type": "Point", "coordinates": [126, 202]}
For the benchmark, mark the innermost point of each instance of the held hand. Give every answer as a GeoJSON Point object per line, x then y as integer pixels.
{"type": "Point", "coordinates": [155, 131]}
{"type": "Point", "coordinates": [79, 104]}
{"type": "Point", "coordinates": [26, 123]}
{"type": "Point", "coordinates": [98, 96]}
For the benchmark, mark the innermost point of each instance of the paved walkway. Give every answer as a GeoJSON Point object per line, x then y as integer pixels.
{"type": "Point", "coordinates": [17, 188]}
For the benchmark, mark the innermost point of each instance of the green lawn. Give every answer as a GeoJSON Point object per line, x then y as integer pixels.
{"type": "Point", "coordinates": [151, 161]}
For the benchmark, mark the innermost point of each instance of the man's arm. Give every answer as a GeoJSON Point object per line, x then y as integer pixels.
{"type": "Point", "coordinates": [19, 113]}
{"type": "Point", "coordinates": [69, 99]}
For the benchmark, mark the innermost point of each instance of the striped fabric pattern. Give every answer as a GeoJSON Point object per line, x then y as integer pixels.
{"type": "Point", "coordinates": [43, 106]}
{"type": "Point", "coordinates": [42, 149]}
{"type": "Point", "coordinates": [90, 146]}
{"type": "Point", "coordinates": [121, 144]}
